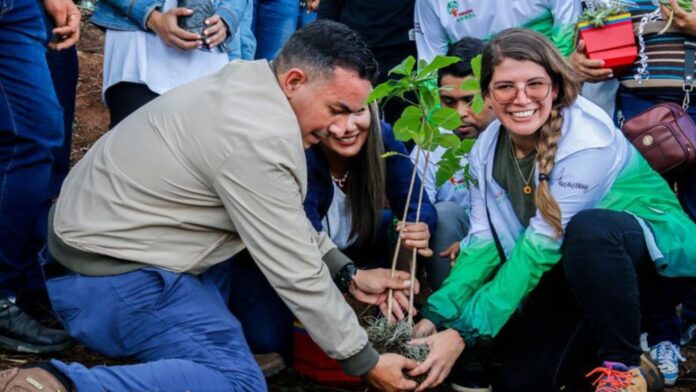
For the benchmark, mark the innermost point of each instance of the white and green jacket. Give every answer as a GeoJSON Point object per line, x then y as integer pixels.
{"type": "Point", "coordinates": [441, 22]}
{"type": "Point", "coordinates": [596, 167]}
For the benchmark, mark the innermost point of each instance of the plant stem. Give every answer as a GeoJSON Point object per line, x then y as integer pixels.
{"type": "Point", "coordinates": [414, 257]}
{"type": "Point", "coordinates": [403, 222]}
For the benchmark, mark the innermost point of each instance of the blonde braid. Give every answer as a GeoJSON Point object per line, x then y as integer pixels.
{"type": "Point", "coordinates": [546, 146]}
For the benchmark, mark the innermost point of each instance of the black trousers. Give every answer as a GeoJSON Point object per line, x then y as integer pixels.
{"type": "Point", "coordinates": [124, 98]}
{"type": "Point", "coordinates": [584, 311]}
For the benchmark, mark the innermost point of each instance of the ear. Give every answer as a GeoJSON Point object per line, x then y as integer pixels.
{"type": "Point", "coordinates": [292, 80]}
{"type": "Point", "coordinates": [554, 93]}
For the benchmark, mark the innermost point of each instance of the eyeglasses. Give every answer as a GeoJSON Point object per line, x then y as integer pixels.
{"type": "Point", "coordinates": [536, 90]}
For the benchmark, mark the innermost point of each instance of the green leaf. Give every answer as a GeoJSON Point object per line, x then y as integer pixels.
{"type": "Point", "coordinates": [382, 90]}
{"type": "Point", "coordinates": [447, 140]}
{"type": "Point", "coordinates": [437, 63]}
{"type": "Point", "coordinates": [446, 118]}
{"type": "Point", "coordinates": [405, 67]}
{"type": "Point", "coordinates": [478, 104]}
{"type": "Point", "coordinates": [464, 147]}
{"type": "Point", "coordinates": [389, 154]}
{"type": "Point", "coordinates": [476, 66]}
{"type": "Point", "coordinates": [408, 124]}
{"type": "Point", "coordinates": [470, 85]}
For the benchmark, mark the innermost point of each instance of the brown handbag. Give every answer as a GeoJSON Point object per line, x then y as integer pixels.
{"type": "Point", "coordinates": [665, 134]}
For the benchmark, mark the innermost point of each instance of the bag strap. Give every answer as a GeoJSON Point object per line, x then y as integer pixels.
{"type": "Point", "coordinates": [498, 245]}
{"type": "Point", "coordinates": [689, 58]}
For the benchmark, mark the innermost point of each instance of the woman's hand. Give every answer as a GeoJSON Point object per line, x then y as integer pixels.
{"type": "Point", "coordinates": [452, 252]}
{"type": "Point", "coordinates": [424, 328]}
{"type": "Point", "coordinates": [415, 236]}
{"type": "Point", "coordinates": [372, 286]}
{"type": "Point", "coordinates": [685, 21]}
{"type": "Point", "coordinates": [590, 70]}
{"type": "Point", "coordinates": [164, 24]}
{"type": "Point", "coordinates": [445, 348]}
{"type": "Point", "coordinates": [215, 32]}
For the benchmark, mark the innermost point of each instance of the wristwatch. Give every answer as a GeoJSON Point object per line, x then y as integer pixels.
{"type": "Point", "coordinates": [345, 276]}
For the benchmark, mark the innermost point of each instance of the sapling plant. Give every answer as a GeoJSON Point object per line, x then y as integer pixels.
{"type": "Point", "coordinates": [429, 126]}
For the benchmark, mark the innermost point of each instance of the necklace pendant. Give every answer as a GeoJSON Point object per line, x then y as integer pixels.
{"type": "Point", "coordinates": [527, 190]}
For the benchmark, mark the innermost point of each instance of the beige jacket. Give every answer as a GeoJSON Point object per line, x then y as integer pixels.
{"type": "Point", "coordinates": [202, 172]}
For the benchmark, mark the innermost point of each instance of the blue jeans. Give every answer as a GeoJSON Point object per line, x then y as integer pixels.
{"type": "Point", "coordinates": [243, 44]}
{"type": "Point", "coordinates": [177, 325]}
{"type": "Point", "coordinates": [31, 128]}
{"type": "Point", "coordinates": [274, 22]}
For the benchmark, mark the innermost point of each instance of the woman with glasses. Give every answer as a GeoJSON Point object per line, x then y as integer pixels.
{"type": "Point", "coordinates": [573, 238]}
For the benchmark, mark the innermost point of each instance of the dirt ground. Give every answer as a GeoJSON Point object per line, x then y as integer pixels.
{"type": "Point", "coordinates": [92, 121]}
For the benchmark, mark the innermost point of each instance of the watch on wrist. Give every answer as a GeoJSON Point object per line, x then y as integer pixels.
{"type": "Point", "coordinates": [345, 276]}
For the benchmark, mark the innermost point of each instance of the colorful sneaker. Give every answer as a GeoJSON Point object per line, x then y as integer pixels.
{"type": "Point", "coordinates": [688, 333]}
{"type": "Point", "coordinates": [667, 357]}
{"type": "Point", "coordinates": [617, 377]}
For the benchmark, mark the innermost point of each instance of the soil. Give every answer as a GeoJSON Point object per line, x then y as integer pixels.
{"type": "Point", "coordinates": [92, 121]}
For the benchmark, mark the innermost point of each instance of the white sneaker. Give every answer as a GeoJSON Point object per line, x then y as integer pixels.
{"type": "Point", "coordinates": [667, 357]}
{"type": "Point", "coordinates": [459, 388]}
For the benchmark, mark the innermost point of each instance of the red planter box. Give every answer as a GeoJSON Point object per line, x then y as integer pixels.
{"type": "Point", "coordinates": [614, 42]}
{"type": "Point", "coordinates": [311, 361]}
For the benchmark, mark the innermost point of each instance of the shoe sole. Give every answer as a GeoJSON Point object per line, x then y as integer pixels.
{"type": "Point", "coordinates": [24, 347]}
{"type": "Point", "coordinates": [653, 376]}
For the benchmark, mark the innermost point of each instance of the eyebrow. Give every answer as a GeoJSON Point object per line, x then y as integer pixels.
{"type": "Point", "coordinates": [528, 80]}
{"type": "Point", "coordinates": [345, 108]}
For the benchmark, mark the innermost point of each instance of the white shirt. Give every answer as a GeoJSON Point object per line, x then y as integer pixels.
{"type": "Point", "coordinates": [142, 57]}
{"type": "Point", "coordinates": [441, 22]}
{"type": "Point", "coordinates": [455, 189]}
{"type": "Point", "coordinates": [338, 221]}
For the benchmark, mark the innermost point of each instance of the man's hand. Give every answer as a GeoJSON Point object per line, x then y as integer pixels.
{"type": "Point", "coordinates": [445, 348]}
{"type": "Point", "coordinates": [215, 32]}
{"type": "Point", "coordinates": [388, 374]}
{"type": "Point", "coordinates": [415, 236]}
{"type": "Point", "coordinates": [452, 252]}
{"type": "Point", "coordinates": [424, 328]}
{"type": "Point", "coordinates": [685, 21]}
{"type": "Point", "coordinates": [164, 24]}
{"type": "Point", "coordinates": [371, 286]}
{"type": "Point", "coordinates": [66, 17]}
{"type": "Point", "coordinates": [590, 70]}
{"type": "Point", "coordinates": [312, 5]}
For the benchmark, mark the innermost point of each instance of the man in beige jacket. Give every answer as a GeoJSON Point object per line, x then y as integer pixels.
{"type": "Point", "coordinates": [145, 223]}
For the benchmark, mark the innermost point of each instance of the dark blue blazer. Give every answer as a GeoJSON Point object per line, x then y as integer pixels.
{"type": "Point", "coordinates": [320, 188]}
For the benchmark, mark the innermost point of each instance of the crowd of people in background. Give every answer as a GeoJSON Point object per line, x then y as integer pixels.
{"type": "Point", "coordinates": [242, 184]}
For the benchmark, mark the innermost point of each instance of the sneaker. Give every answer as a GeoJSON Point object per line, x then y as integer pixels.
{"type": "Point", "coordinates": [688, 333]}
{"type": "Point", "coordinates": [270, 364]}
{"type": "Point", "coordinates": [29, 380]}
{"type": "Point", "coordinates": [667, 357]}
{"type": "Point", "coordinates": [19, 332]}
{"type": "Point", "coordinates": [617, 377]}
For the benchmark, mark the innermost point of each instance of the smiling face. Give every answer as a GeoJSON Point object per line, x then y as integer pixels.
{"type": "Point", "coordinates": [352, 140]}
{"type": "Point", "coordinates": [324, 106]}
{"type": "Point", "coordinates": [453, 97]}
{"type": "Point", "coordinates": [521, 95]}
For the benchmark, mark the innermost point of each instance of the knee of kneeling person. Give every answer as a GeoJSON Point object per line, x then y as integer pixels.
{"type": "Point", "coordinates": [450, 215]}
{"type": "Point", "coordinates": [246, 378]}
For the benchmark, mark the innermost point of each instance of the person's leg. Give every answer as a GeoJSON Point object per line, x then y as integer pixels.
{"type": "Point", "coordinates": [274, 23]}
{"type": "Point", "coordinates": [452, 226]}
{"type": "Point", "coordinates": [255, 303]}
{"type": "Point", "coordinates": [31, 127]}
{"type": "Point", "coordinates": [124, 98]}
{"type": "Point", "coordinates": [178, 325]}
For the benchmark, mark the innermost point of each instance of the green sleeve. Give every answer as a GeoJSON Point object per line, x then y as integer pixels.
{"type": "Point", "coordinates": [490, 307]}
{"type": "Point", "coordinates": [475, 264]}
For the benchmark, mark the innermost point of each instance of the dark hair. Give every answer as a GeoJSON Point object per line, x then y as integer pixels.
{"type": "Point", "coordinates": [323, 45]}
{"type": "Point", "coordinates": [527, 45]}
{"type": "Point", "coordinates": [466, 49]}
{"type": "Point", "coordinates": [367, 189]}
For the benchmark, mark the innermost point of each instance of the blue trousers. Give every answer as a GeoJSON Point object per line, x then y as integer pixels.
{"type": "Point", "coordinates": [177, 325]}
{"type": "Point", "coordinates": [274, 22]}
{"type": "Point", "coordinates": [31, 128]}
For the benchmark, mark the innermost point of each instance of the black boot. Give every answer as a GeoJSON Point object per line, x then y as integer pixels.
{"type": "Point", "coordinates": [19, 332]}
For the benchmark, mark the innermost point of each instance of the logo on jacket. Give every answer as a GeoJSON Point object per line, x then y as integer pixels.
{"type": "Point", "coordinates": [453, 10]}
{"type": "Point", "coordinates": [459, 183]}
